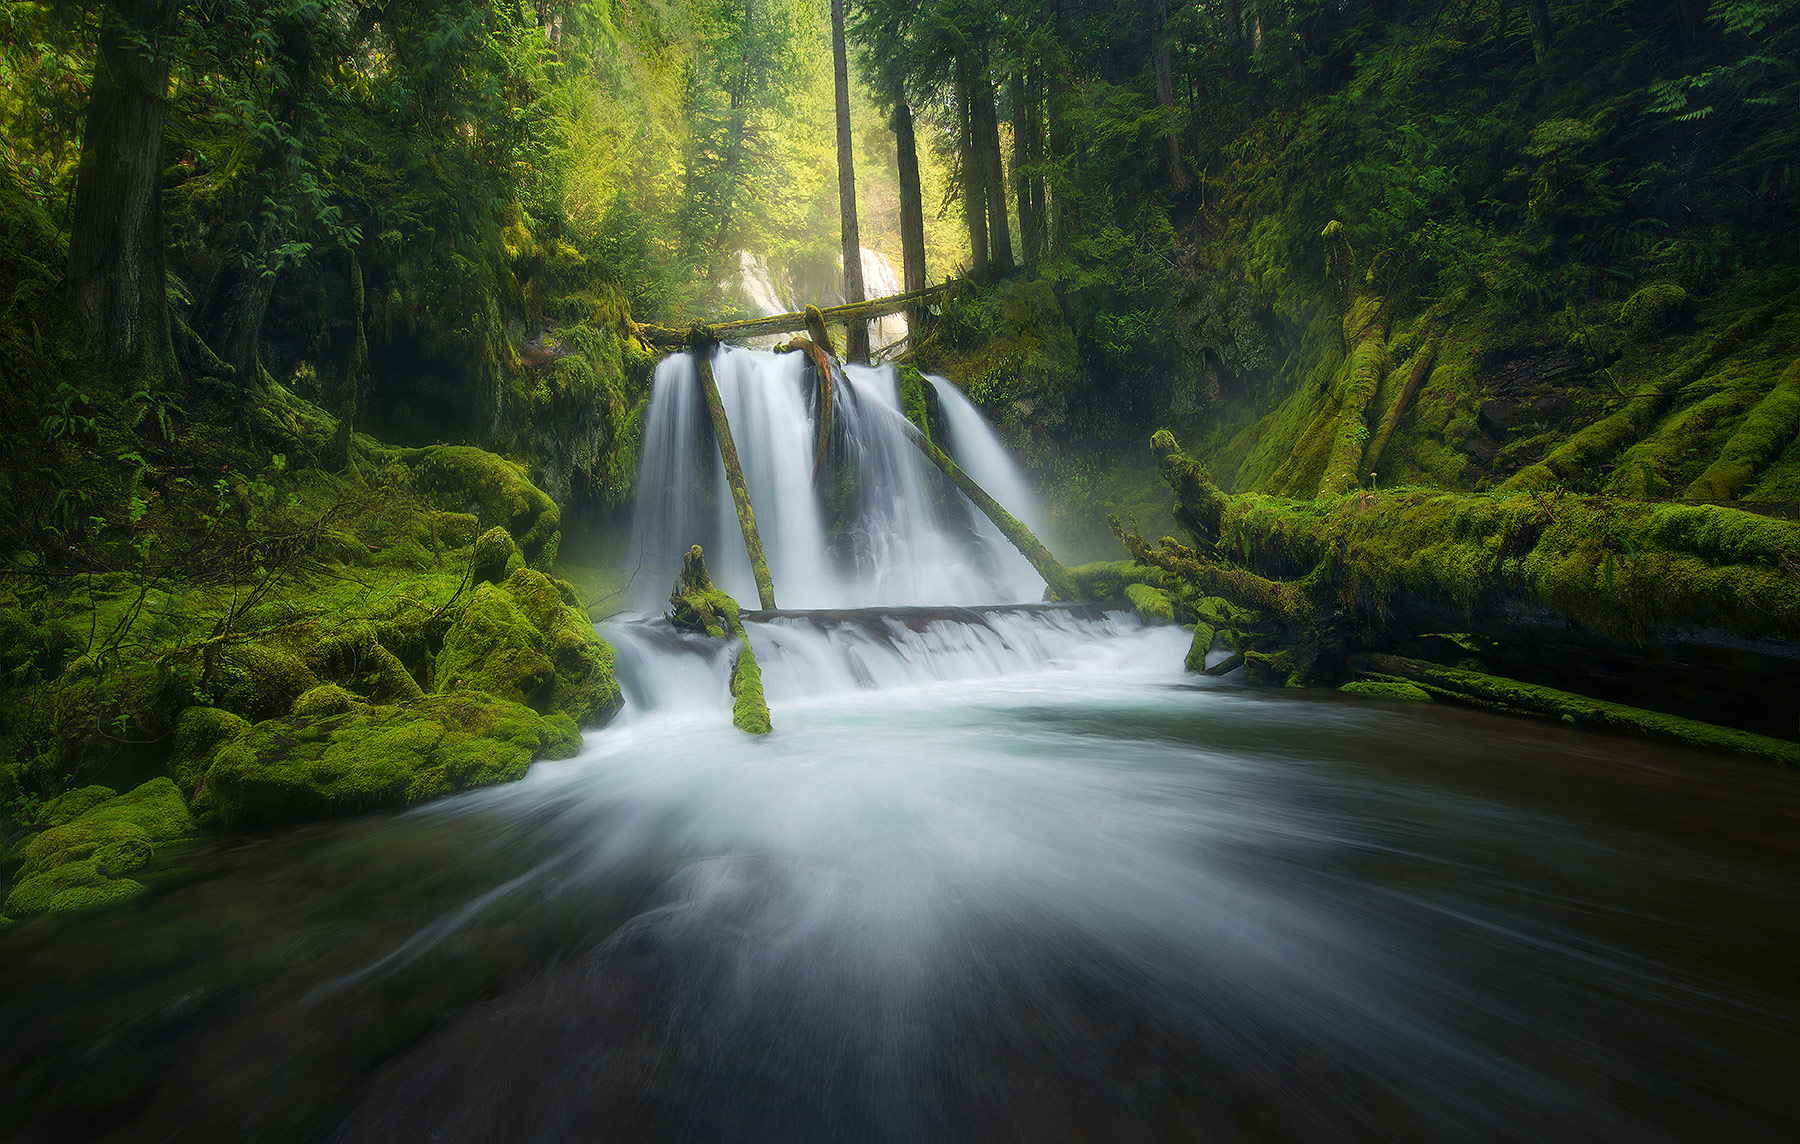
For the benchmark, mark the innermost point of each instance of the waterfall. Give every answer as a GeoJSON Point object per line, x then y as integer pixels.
{"type": "Point", "coordinates": [880, 527]}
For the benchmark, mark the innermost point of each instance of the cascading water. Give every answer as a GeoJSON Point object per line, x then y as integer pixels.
{"type": "Point", "coordinates": [898, 534]}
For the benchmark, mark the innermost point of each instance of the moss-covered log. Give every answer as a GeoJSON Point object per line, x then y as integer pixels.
{"type": "Point", "coordinates": [668, 338]}
{"type": "Point", "coordinates": [1759, 439]}
{"type": "Point", "coordinates": [1510, 695]}
{"type": "Point", "coordinates": [1009, 525]}
{"type": "Point", "coordinates": [734, 475]}
{"type": "Point", "coordinates": [1366, 333]}
{"type": "Point", "coordinates": [696, 606]}
{"type": "Point", "coordinates": [1609, 582]}
{"type": "Point", "coordinates": [822, 371]}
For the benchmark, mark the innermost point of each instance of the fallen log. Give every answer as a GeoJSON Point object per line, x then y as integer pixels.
{"type": "Point", "coordinates": [670, 338]}
{"type": "Point", "coordinates": [822, 366]}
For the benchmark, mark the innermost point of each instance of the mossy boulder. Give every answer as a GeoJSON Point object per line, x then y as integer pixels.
{"type": "Point", "coordinates": [493, 647]}
{"type": "Point", "coordinates": [461, 478]}
{"type": "Point", "coordinates": [378, 757]}
{"type": "Point", "coordinates": [1658, 307]}
{"type": "Point", "coordinates": [81, 862]}
{"type": "Point", "coordinates": [260, 680]}
{"type": "Point", "coordinates": [583, 687]}
{"type": "Point", "coordinates": [199, 733]}
{"type": "Point", "coordinates": [488, 565]}
{"type": "Point", "coordinates": [325, 700]}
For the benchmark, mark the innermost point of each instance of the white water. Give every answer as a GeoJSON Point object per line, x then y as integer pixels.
{"type": "Point", "coordinates": [907, 536]}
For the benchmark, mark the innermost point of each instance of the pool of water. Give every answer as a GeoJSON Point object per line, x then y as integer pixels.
{"type": "Point", "coordinates": [1070, 895]}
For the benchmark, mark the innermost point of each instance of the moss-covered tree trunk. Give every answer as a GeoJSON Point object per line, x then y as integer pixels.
{"type": "Point", "coordinates": [993, 180]}
{"type": "Point", "coordinates": [821, 362]}
{"type": "Point", "coordinates": [116, 268]}
{"type": "Point", "coordinates": [734, 476]}
{"type": "Point", "coordinates": [1009, 525]}
{"type": "Point", "coordinates": [1165, 94]}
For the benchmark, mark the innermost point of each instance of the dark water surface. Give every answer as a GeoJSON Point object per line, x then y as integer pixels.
{"type": "Point", "coordinates": [1099, 903]}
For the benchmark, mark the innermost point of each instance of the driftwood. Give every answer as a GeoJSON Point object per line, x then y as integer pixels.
{"type": "Point", "coordinates": [734, 474]}
{"type": "Point", "coordinates": [669, 338]}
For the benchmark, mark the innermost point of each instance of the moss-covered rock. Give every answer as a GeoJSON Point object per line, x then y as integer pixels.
{"type": "Point", "coordinates": [323, 701]}
{"type": "Point", "coordinates": [1658, 307]}
{"type": "Point", "coordinates": [492, 553]}
{"type": "Point", "coordinates": [696, 606]}
{"type": "Point", "coordinates": [378, 757]}
{"type": "Point", "coordinates": [461, 478]}
{"type": "Point", "coordinates": [199, 733]}
{"type": "Point", "coordinates": [1387, 689]}
{"type": "Point", "coordinates": [81, 863]}
{"type": "Point", "coordinates": [494, 648]}
{"type": "Point", "coordinates": [584, 687]}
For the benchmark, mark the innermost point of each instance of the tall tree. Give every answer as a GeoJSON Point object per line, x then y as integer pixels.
{"type": "Point", "coordinates": [985, 121]}
{"type": "Point", "coordinates": [973, 171]}
{"type": "Point", "coordinates": [116, 265]}
{"type": "Point", "coordinates": [1165, 93]}
{"type": "Point", "coordinates": [856, 337]}
{"type": "Point", "coordinates": [912, 206]}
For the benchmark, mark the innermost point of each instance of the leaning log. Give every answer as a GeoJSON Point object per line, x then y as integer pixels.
{"type": "Point", "coordinates": [1029, 546]}
{"type": "Point", "coordinates": [734, 474]}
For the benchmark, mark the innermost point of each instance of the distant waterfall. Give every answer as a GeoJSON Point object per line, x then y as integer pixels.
{"type": "Point", "coordinates": [763, 290]}
{"type": "Point", "coordinates": [887, 531]}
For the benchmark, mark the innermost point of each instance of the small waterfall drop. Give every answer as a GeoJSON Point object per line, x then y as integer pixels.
{"type": "Point", "coordinates": [881, 526]}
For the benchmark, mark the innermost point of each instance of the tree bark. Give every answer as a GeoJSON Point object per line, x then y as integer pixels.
{"type": "Point", "coordinates": [973, 168]}
{"type": "Point", "coordinates": [239, 297]}
{"type": "Point", "coordinates": [1165, 94]}
{"type": "Point", "coordinates": [912, 209]}
{"type": "Point", "coordinates": [987, 140]}
{"type": "Point", "coordinates": [117, 278]}
{"type": "Point", "coordinates": [856, 335]}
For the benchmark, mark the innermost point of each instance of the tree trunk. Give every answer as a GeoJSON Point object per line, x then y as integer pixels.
{"type": "Point", "coordinates": [1165, 94]}
{"type": "Point", "coordinates": [359, 354]}
{"type": "Point", "coordinates": [987, 139]}
{"type": "Point", "coordinates": [856, 334]}
{"type": "Point", "coordinates": [240, 293]}
{"type": "Point", "coordinates": [1022, 167]}
{"type": "Point", "coordinates": [1034, 157]}
{"type": "Point", "coordinates": [1231, 21]}
{"type": "Point", "coordinates": [1539, 13]}
{"type": "Point", "coordinates": [973, 188]}
{"type": "Point", "coordinates": [912, 209]}
{"type": "Point", "coordinates": [117, 279]}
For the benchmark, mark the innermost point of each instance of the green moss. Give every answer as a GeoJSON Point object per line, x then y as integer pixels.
{"type": "Point", "coordinates": [1758, 440]}
{"type": "Point", "coordinates": [584, 688]}
{"type": "Point", "coordinates": [1378, 689]}
{"type": "Point", "coordinates": [494, 648]}
{"type": "Point", "coordinates": [1205, 635]}
{"type": "Point", "coordinates": [749, 710]}
{"type": "Point", "coordinates": [199, 733]}
{"type": "Point", "coordinates": [1510, 695]}
{"type": "Point", "coordinates": [1363, 372]}
{"type": "Point", "coordinates": [488, 564]}
{"type": "Point", "coordinates": [73, 804]}
{"type": "Point", "coordinates": [325, 700]}
{"type": "Point", "coordinates": [1655, 308]}
{"type": "Point", "coordinates": [461, 478]}
{"type": "Point", "coordinates": [1153, 605]}
{"type": "Point", "coordinates": [80, 863]}
{"type": "Point", "coordinates": [378, 757]}
{"type": "Point", "coordinates": [1106, 580]}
